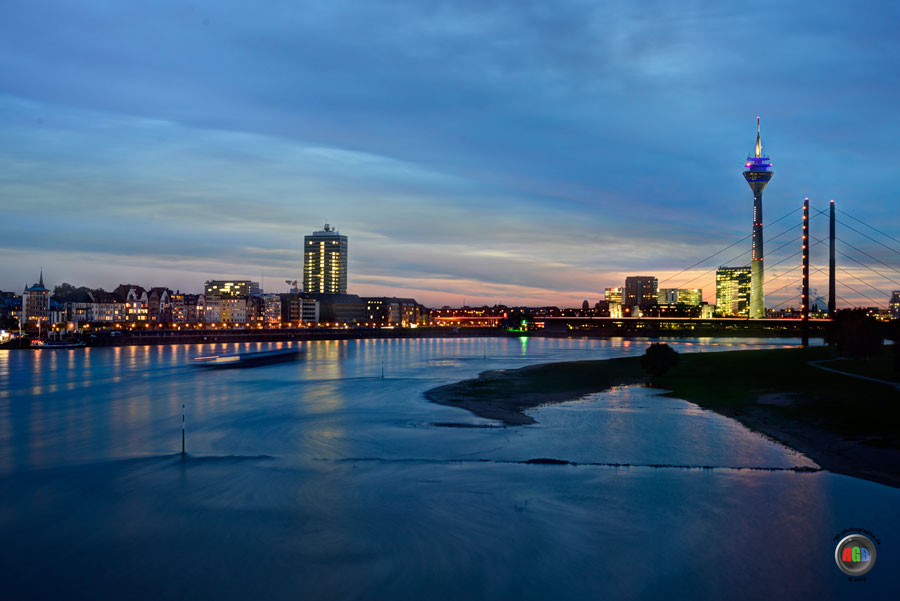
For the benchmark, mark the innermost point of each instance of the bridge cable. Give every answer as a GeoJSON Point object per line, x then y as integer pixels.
{"type": "Point", "coordinates": [854, 276]}
{"type": "Point", "coordinates": [893, 250]}
{"type": "Point", "coordinates": [869, 298]}
{"type": "Point", "coordinates": [868, 255]}
{"type": "Point", "coordinates": [867, 225]}
{"type": "Point", "coordinates": [785, 216]}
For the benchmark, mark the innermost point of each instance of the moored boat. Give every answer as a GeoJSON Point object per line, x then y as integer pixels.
{"type": "Point", "coordinates": [56, 344]}
{"type": "Point", "coordinates": [248, 359]}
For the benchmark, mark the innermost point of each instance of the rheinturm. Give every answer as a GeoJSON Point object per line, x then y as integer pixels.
{"type": "Point", "coordinates": [758, 173]}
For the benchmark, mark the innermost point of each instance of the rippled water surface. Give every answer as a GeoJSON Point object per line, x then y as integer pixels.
{"type": "Point", "coordinates": [324, 479]}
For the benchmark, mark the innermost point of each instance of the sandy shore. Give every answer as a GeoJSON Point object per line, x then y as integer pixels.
{"type": "Point", "coordinates": [807, 419]}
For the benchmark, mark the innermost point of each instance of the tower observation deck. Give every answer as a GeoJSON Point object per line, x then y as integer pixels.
{"type": "Point", "coordinates": [758, 173]}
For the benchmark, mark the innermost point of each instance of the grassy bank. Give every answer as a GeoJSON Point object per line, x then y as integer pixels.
{"type": "Point", "coordinates": [783, 382]}
{"type": "Point", "coordinates": [844, 424]}
{"type": "Point", "coordinates": [881, 366]}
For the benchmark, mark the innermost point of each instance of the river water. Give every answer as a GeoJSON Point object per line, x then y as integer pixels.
{"type": "Point", "coordinates": [334, 478]}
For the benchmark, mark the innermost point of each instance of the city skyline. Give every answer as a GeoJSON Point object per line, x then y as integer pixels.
{"type": "Point", "coordinates": [490, 157]}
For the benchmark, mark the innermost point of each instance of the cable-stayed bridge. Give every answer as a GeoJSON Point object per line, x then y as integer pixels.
{"type": "Point", "coordinates": [858, 263]}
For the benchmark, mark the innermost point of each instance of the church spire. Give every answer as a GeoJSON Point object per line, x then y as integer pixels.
{"type": "Point", "coordinates": [41, 281]}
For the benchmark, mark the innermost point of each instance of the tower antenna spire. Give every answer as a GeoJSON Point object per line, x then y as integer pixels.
{"type": "Point", "coordinates": [758, 141]}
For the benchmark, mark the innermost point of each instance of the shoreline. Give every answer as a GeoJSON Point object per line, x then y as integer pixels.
{"type": "Point", "coordinates": [505, 394]}
{"type": "Point", "coordinates": [203, 336]}
{"type": "Point", "coordinates": [813, 413]}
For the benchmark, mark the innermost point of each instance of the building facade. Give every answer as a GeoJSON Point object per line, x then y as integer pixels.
{"type": "Point", "coordinates": [234, 309]}
{"type": "Point", "coordinates": [733, 291]}
{"type": "Point", "coordinates": [272, 314]}
{"type": "Point", "coordinates": [392, 311]}
{"type": "Point", "coordinates": [680, 296]}
{"type": "Point", "coordinates": [640, 291]}
{"type": "Point", "coordinates": [325, 262]}
{"type": "Point", "coordinates": [894, 304]}
{"type": "Point", "coordinates": [36, 305]}
{"type": "Point", "coordinates": [613, 295]}
{"type": "Point", "coordinates": [159, 305]}
{"type": "Point", "coordinates": [230, 288]}
{"type": "Point", "coordinates": [212, 308]}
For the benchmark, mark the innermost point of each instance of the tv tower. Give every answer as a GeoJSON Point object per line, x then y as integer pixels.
{"type": "Point", "coordinates": [758, 173]}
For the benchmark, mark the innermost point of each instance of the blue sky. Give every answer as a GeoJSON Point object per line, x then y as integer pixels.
{"type": "Point", "coordinates": [532, 152]}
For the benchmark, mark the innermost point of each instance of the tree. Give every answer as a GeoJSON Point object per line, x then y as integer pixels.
{"type": "Point", "coordinates": [67, 293]}
{"type": "Point", "coordinates": [855, 334]}
{"type": "Point", "coordinates": [659, 358]}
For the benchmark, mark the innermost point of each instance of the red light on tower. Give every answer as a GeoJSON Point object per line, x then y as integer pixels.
{"type": "Point", "coordinates": [804, 296]}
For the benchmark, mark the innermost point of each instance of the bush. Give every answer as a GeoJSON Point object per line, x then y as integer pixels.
{"type": "Point", "coordinates": [659, 358]}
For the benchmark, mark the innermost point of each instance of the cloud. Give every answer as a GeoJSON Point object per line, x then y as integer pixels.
{"type": "Point", "coordinates": [545, 148]}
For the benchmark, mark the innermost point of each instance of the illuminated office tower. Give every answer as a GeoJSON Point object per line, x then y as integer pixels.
{"type": "Point", "coordinates": [733, 291]}
{"type": "Point", "coordinates": [325, 262]}
{"type": "Point", "coordinates": [758, 173]}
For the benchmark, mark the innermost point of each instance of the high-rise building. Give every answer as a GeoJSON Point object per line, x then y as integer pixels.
{"type": "Point", "coordinates": [325, 262]}
{"type": "Point", "coordinates": [613, 295]}
{"type": "Point", "coordinates": [640, 290]}
{"type": "Point", "coordinates": [894, 304]}
{"type": "Point", "coordinates": [733, 287]}
{"type": "Point", "coordinates": [231, 288]}
{"type": "Point", "coordinates": [758, 173]}
{"type": "Point", "coordinates": [682, 296]}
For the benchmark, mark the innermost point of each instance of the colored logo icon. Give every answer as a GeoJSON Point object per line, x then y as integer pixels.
{"type": "Point", "coordinates": [855, 555]}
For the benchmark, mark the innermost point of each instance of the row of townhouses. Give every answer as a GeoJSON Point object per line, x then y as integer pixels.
{"type": "Point", "coordinates": [240, 302]}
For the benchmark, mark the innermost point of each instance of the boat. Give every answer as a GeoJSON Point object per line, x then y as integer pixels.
{"type": "Point", "coordinates": [248, 359]}
{"type": "Point", "coordinates": [56, 344]}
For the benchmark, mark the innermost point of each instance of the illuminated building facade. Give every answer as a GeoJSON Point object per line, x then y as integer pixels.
{"type": "Point", "coordinates": [758, 173]}
{"type": "Point", "coordinates": [680, 296]}
{"type": "Point", "coordinates": [894, 304]}
{"type": "Point", "coordinates": [325, 262]}
{"type": "Point", "coordinates": [36, 304]}
{"type": "Point", "coordinates": [392, 311]}
{"type": "Point", "coordinates": [136, 301]}
{"type": "Point", "coordinates": [231, 288]}
{"type": "Point", "coordinates": [234, 309]}
{"type": "Point", "coordinates": [733, 286]}
{"type": "Point", "coordinates": [613, 295]}
{"type": "Point", "coordinates": [273, 308]}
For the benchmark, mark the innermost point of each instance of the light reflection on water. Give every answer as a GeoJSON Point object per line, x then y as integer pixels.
{"type": "Point", "coordinates": [321, 479]}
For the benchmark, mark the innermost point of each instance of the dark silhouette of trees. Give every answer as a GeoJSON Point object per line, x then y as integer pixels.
{"type": "Point", "coordinates": [67, 293]}
{"type": "Point", "coordinates": [855, 334]}
{"type": "Point", "coordinates": [659, 358]}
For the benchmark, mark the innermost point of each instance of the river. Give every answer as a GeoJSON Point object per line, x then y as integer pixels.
{"type": "Point", "coordinates": [331, 478]}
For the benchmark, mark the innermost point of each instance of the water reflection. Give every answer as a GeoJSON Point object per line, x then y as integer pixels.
{"type": "Point", "coordinates": [334, 480]}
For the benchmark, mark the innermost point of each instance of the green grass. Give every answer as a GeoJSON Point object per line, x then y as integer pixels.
{"type": "Point", "coordinates": [731, 382]}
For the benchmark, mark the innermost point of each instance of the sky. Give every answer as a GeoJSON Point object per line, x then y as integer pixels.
{"type": "Point", "coordinates": [486, 151]}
